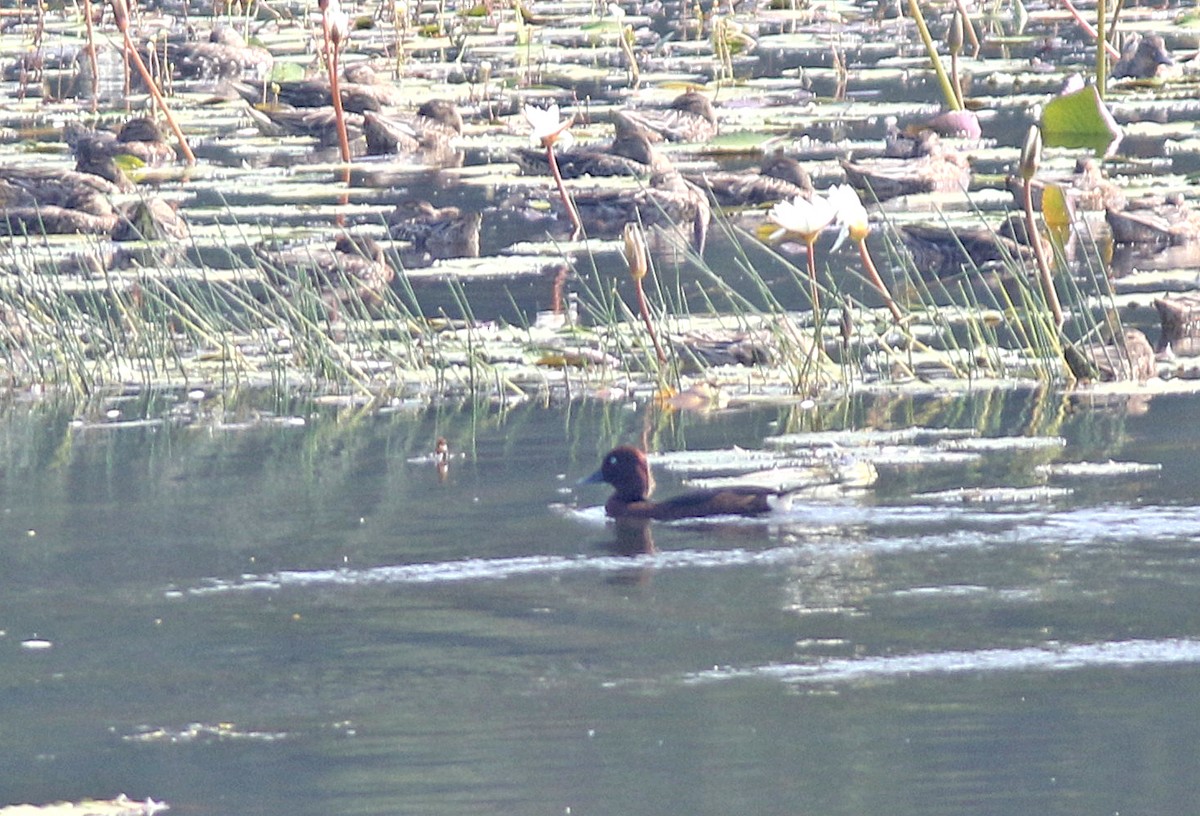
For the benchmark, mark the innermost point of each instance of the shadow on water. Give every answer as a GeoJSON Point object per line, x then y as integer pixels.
{"type": "Point", "coordinates": [275, 608]}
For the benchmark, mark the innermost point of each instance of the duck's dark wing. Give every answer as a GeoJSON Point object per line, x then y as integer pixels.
{"type": "Point", "coordinates": [730, 501]}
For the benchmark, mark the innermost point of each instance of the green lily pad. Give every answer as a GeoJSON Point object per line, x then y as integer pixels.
{"type": "Point", "coordinates": [1080, 119]}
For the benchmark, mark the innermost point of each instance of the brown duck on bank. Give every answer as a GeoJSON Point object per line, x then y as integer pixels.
{"type": "Point", "coordinates": [354, 270]}
{"type": "Point", "coordinates": [432, 131]}
{"type": "Point", "coordinates": [436, 233]}
{"type": "Point", "coordinates": [690, 118]}
{"type": "Point", "coordinates": [779, 177]}
{"type": "Point", "coordinates": [939, 170]}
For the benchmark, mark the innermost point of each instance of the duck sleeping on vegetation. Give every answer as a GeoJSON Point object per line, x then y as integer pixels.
{"type": "Point", "coordinates": [626, 469]}
{"type": "Point", "coordinates": [935, 170]}
{"type": "Point", "coordinates": [779, 178]}
{"type": "Point", "coordinates": [629, 154]}
{"type": "Point", "coordinates": [353, 271]}
{"type": "Point", "coordinates": [434, 232]}
{"type": "Point", "coordinates": [690, 118]}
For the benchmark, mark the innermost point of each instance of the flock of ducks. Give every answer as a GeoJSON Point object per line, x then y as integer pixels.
{"type": "Point", "coordinates": [89, 198]}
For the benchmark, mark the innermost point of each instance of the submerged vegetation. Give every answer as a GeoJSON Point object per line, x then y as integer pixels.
{"type": "Point", "coordinates": [348, 204]}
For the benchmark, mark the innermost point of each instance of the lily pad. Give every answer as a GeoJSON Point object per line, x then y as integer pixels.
{"type": "Point", "coordinates": [1080, 119]}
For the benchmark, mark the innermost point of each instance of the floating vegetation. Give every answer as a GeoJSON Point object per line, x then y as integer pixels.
{"type": "Point", "coordinates": [347, 203]}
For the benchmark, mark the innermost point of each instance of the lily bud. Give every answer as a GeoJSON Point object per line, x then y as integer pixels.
{"type": "Point", "coordinates": [1031, 154]}
{"type": "Point", "coordinates": [954, 37]}
{"type": "Point", "coordinates": [636, 254]}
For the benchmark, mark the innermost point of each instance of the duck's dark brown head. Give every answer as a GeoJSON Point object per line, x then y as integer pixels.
{"type": "Point", "coordinates": [626, 469]}
{"type": "Point", "coordinates": [444, 113]}
{"type": "Point", "coordinates": [696, 103]}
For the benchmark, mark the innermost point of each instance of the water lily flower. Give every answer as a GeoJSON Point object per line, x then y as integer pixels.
{"type": "Point", "coordinates": [802, 217]}
{"type": "Point", "coordinates": [849, 213]}
{"type": "Point", "coordinates": [852, 216]}
{"type": "Point", "coordinates": [548, 129]}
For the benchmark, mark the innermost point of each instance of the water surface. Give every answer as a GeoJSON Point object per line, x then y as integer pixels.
{"type": "Point", "coordinates": [292, 616]}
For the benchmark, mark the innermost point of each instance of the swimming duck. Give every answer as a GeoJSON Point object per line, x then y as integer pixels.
{"type": "Point", "coordinates": [938, 171]}
{"type": "Point", "coordinates": [626, 469]}
{"type": "Point", "coordinates": [432, 130]}
{"type": "Point", "coordinates": [779, 177]}
{"type": "Point", "coordinates": [354, 270]}
{"type": "Point", "coordinates": [690, 118]}
{"type": "Point", "coordinates": [436, 233]}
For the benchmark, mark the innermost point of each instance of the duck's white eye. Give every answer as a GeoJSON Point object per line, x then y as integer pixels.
{"type": "Point", "coordinates": [612, 460]}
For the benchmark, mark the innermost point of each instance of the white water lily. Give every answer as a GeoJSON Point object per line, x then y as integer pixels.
{"type": "Point", "coordinates": [849, 213]}
{"type": "Point", "coordinates": [801, 216]}
{"type": "Point", "coordinates": [548, 129]}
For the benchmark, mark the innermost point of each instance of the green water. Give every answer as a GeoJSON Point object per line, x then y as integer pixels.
{"type": "Point", "coordinates": [298, 617]}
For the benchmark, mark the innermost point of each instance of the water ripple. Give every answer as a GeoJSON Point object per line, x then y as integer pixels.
{"type": "Point", "coordinates": [1052, 656]}
{"type": "Point", "coordinates": [825, 532]}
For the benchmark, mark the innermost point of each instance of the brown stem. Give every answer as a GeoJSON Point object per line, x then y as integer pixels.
{"type": "Point", "coordinates": [572, 213]}
{"type": "Point", "coordinates": [121, 14]}
{"type": "Point", "coordinates": [1047, 279]}
{"type": "Point", "coordinates": [812, 277]}
{"type": "Point", "coordinates": [331, 63]}
{"type": "Point", "coordinates": [644, 309]}
{"type": "Point", "coordinates": [91, 52]}
{"type": "Point", "coordinates": [873, 273]}
{"type": "Point", "coordinates": [1088, 28]}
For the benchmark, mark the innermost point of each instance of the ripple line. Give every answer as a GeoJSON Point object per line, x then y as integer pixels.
{"type": "Point", "coordinates": [1051, 656]}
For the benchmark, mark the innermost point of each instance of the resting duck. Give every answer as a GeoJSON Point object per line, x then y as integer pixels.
{"type": "Point", "coordinates": [224, 54]}
{"type": "Point", "coordinates": [313, 123]}
{"type": "Point", "coordinates": [96, 150]}
{"type": "Point", "coordinates": [1155, 220]}
{"type": "Point", "coordinates": [626, 469]}
{"type": "Point", "coordinates": [629, 154]}
{"type": "Point", "coordinates": [361, 90]}
{"type": "Point", "coordinates": [669, 200]}
{"type": "Point", "coordinates": [436, 233]}
{"type": "Point", "coordinates": [1130, 360]}
{"type": "Point", "coordinates": [46, 200]}
{"type": "Point", "coordinates": [1144, 57]}
{"type": "Point", "coordinates": [937, 171]}
{"type": "Point", "coordinates": [354, 270]}
{"type": "Point", "coordinates": [690, 118]}
{"type": "Point", "coordinates": [779, 177]}
{"type": "Point", "coordinates": [432, 130]}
